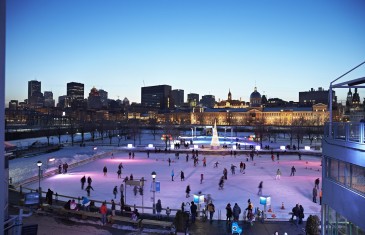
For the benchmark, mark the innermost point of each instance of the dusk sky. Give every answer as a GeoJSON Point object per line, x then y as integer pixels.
{"type": "Point", "coordinates": [204, 47]}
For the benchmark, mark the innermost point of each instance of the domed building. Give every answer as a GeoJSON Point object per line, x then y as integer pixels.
{"type": "Point", "coordinates": [255, 98]}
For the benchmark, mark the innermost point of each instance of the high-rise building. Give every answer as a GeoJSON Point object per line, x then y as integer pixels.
{"type": "Point", "coordinates": [48, 99]}
{"type": "Point", "coordinates": [13, 104]}
{"type": "Point", "coordinates": [208, 101]}
{"type": "Point", "coordinates": [35, 96]}
{"type": "Point", "coordinates": [157, 97]}
{"type": "Point", "coordinates": [315, 97]}
{"type": "Point", "coordinates": [33, 87]}
{"type": "Point", "coordinates": [178, 97]}
{"type": "Point", "coordinates": [343, 174]}
{"type": "Point", "coordinates": [193, 99]}
{"type": "Point", "coordinates": [94, 99]}
{"type": "Point", "coordinates": [75, 90]}
{"type": "Point", "coordinates": [103, 97]}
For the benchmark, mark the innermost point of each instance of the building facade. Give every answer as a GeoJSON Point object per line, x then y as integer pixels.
{"type": "Point", "coordinates": [178, 97]}
{"type": "Point", "coordinates": [157, 97]}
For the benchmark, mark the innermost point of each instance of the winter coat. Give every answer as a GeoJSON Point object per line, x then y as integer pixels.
{"type": "Point", "coordinates": [158, 206]}
{"type": "Point", "coordinates": [236, 210]}
{"type": "Point", "coordinates": [229, 211]}
{"type": "Point", "coordinates": [103, 209]}
{"type": "Point", "coordinates": [193, 209]}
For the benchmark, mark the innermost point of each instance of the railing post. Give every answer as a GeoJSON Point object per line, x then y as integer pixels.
{"type": "Point", "coordinates": [347, 131]}
{"type": "Point", "coordinates": [361, 132]}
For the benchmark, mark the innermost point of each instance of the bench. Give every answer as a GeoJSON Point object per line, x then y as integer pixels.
{"type": "Point", "coordinates": [160, 223]}
{"type": "Point", "coordinates": [124, 219]}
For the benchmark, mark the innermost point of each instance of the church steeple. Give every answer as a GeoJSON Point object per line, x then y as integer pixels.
{"type": "Point", "coordinates": [229, 95]}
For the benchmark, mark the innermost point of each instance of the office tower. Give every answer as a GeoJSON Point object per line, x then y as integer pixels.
{"type": "Point", "coordinates": [33, 87]}
{"type": "Point", "coordinates": [315, 97]}
{"type": "Point", "coordinates": [156, 97]}
{"type": "Point", "coordinates": [103, 97]}
{"type": "Point", "coordinates": [48, 99]}
{"type": "Point", "coordinates": [208, 101]}
{"type": "Point", "coordinates": [13, 104]}
{"type": "Point", "coordinates": [193, 99]}
{"type": "Point", "coordinates": [94, 99]}
{"type": "Point", "coordinates": [178, 97]}
{"type": "Point", "coordinates": [75, 90]}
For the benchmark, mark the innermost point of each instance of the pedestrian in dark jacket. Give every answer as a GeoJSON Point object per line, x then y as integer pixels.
{"type": "Point", "coordinates": [89, 180]}
{"type": "Point", "coordinates": [88, 188]}
{"type": "Point", "coordinates": [105, 170]}
{"type": "Point", "coordinates": [193, 211]}
{"type": "Point", "coordinates": [229, 213]}
{"type": "Point", "coordinates": [159, 209]}
{"type": "Point", "coordinates": [83, 180]}
{"type": "Point", "coordinates": [182, 176]}
{"type": "Point", "coordinates": [187, 191]}
{"type": "Point", "coordinates": [49, 196]}
{"type": "Point", "coordinates": [236, 212]}
{"type": "Point", "coordinates": [301, 214]}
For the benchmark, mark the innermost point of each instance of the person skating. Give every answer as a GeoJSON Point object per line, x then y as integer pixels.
{"type": "Point", "coordinates": [236, 212]}
{"type": "Point", "coordinates": [119, 172]}
{"type": "Point", "coordinates": [228, 213]}
{"type": "Point", "coordinates": [201, 178]}
{"type": "Point", "coordinates": [120, 166]}
{"type": "Point", "coordinates": [131, 177]}
{"type": "Point", "coordinates": [105, 170]}
{"type": "Point", "coordinates": [293, 170]}
{"type": "Point", "coordinates": [169, 162]}
{"type": "Point", "coordinates": [204, 162]}
{"type": "Point", "coordinates": [172, 175]}
{"type": "Point", "coordinates": [241, 167]}
{"type": "Point", "coordinates": [225, 173]}
{"type": "Point", "coordinates": [89, 180]}
{"type": "Point", "coordinates": [182, 176]}
{"type": "Point", "coordinates": [211, 210]}
{"type": "Point", "coordinates": [115, 192]}
{"type": "Point", "coordinates": [233, 169]}
{"type": "Point", "coordinates": [216, 164]}
{"type": "Point", "coordinates": [159, 209]}
{"type": "Point", "coordinates": [260, 188]}
{"type": "Point", "coordinates": [87, 189]}
{"type": "Point", "coordinates": [221, 183]}
{"type": "Point", "coordinates": [83, 180]}
{"type": "Point", "coordinates": [187, 191]}
{"type": "Point", "coordinates": [278, 174]}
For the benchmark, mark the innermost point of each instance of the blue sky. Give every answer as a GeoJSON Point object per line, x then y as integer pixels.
{"type": "Point", "coordinates": [204, 47]}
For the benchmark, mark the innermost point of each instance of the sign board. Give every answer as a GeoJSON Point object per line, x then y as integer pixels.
{"type": "Point", "coordinates": [198, 199]}
{"type": "Point", "coordinates": [133, 182]}
{"type": "Point", "coordinates": [31, 198]}
{"type": "Point", "coordinates": [265, 200]}
{"type": "Point", "coordinates": [155, 186]}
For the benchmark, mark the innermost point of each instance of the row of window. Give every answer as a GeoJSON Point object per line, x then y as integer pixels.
{"type": "Point", "coordinates": [347, 174]}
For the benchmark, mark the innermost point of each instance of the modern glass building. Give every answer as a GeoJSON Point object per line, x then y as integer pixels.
{"type": "Point", "coordinates": [343, 203]}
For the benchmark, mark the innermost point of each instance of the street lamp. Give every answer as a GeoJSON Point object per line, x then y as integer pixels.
{"type": "Point", "coordinates": [39, 164]}
{"type": "Point", "coordinates": [153, 174]}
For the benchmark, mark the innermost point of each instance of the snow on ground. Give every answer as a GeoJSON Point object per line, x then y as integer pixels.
{"type": "Point", "coordinates": [237, 189]}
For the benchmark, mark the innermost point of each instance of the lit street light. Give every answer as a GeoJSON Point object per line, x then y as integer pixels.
{"type": "Point", "coordinates": [153, 174]}
{"type": "Point", "coordinates": [39, 164]}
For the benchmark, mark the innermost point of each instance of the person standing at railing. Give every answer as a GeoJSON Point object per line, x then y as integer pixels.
{"type": "Point", "coordinates": [103, 211]}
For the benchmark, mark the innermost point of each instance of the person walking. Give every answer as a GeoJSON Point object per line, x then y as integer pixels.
{"type": "Point", "coordinates": [229, 213]}
{"type": "Point", "coordinates": [211, 210]}
{"type": "Point", "coordinates": [159, 209]}
{"type": "Point", "coordinates": [193, 211]}
{"type": "Point", "coordinates": [105, 170]}
{"type": "Point", "coordinates": [315, 194]}
{"type": "Point", "coordinates": [236, 212]}
{"type": "Point", "coordinates": [293, 170]}
{"type": "Point", "coordinates": [260, 188]}
{"type": "Point", "coordinates": [278, 174]}
{"type": "Point", "coordinates": [103, 211]}
{"type": "Point", "coordinates": [83, 180]}
{"type": "Point", "coordinates": [115, 192]}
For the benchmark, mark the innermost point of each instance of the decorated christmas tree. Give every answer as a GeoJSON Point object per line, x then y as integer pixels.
{"type": "Point", "coordinates": [215, 140]}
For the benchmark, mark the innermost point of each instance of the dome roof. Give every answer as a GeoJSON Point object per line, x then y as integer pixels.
{"type": "Point", "coordinates": [255, 94]}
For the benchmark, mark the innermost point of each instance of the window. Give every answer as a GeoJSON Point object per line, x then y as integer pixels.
{"type": "Point", "coordinates": [333, 170]}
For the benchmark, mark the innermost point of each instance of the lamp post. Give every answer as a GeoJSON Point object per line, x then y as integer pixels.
{"type": "Point", "coordinates": [192, 134]}
{"type": "Point", "coordinates": [153, 174]}
{"type": "Point", "coordinates": [39, 164]}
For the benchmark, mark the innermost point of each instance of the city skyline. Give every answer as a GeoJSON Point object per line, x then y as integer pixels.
{"type": "Point", "coordinates": [204, 47]}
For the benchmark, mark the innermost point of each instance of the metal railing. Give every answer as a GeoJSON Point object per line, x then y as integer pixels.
{"type": "Point", "coordinates": [346, 131]}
